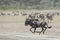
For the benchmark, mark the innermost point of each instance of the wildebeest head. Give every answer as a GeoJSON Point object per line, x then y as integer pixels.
{"type": "Point", "coordinates": [27, 22]}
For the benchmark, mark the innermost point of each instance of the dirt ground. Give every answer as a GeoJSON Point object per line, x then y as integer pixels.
{"type": "Point", "coordinates": [18, 31]}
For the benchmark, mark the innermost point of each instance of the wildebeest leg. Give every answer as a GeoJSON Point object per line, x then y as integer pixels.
{"type": "Point", "coordinates": [51, 20]}
{"type": "Point", "coordinates": [48, 20]}
{"type": "Point", "coordinates": [34, 30]}
{"type": "Point", "coordinates": [41, 30]}
{"type": "Point", "coordinates": [31, 30]}
{"type": "Point", "coordinates": [44, 30]}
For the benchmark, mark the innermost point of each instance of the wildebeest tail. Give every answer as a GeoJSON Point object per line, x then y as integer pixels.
{"type": "Point", "coordinates": [50, 27]}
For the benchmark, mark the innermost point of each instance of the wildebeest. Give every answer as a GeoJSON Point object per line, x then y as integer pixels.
{"type": "Point", "coordinates": [35, 25]}
{"type": "Point", "coordinates": [8, 14]}
{"type": "Point", "coordinates": [23, 14]}
{"type": "Point", "coordinates": [56, 13]}
{"type": "Point", "coordinates": [2, 14]}
{"type": "Point", "coordinates": [30, 16]}
{"type": "Point", "coordinates": [15, 13]}
{"type": "Point", "coordinates": [42, 16]}
{"type": "Point", "coordinates": [49, 17]}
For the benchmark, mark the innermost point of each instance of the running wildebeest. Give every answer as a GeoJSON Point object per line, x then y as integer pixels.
{"type": "Point", "coordinates": [30, 16]}
{"type": "Point", "coordinates": [49, 17]}
{"type": "Point", "coordinates": [57, 13]}
{"type": "Point", "coordinates": [35, 25]}
{"type": "Point", "coordinates": [41, 16]}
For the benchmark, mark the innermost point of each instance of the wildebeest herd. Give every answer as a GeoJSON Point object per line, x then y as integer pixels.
{"type": "Point", "coordinates": [37, 20]}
